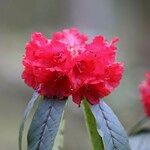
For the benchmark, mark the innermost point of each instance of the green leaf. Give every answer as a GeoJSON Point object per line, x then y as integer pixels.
{"type": "Point", "coordinates": [96, 139]}
{"type": "Point", "coordinates": [109, 127]}
{"type": "Point", "coordinates": [25, 116]}
{"type": "Point", "coordinates": [140, 140]}
{"type": "Point", "coordinates": [45, 124]}
{"type": "Point", "coordinates": [59, 140]}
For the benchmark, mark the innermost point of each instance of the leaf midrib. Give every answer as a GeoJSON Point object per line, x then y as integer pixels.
{"type": "Point", "coordinates": [108, 127]}
{"type": "Point", "coordinates": [44, 127]}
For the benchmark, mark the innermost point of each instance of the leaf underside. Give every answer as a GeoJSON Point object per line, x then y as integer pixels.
{"type": "Point", "coordinates": [25, 116]}
{"type": "Point", "coordinates": [96, 139]}
{"type": "Point", "coordinates": [110, 128]}
{"type": "Point", "coordinates": [140, 141]}
{"type": "Point", "coordinates": [45, 124]}
{"type": "Point", "coordinates": [59, 140]}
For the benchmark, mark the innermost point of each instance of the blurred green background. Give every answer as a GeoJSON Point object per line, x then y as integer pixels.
{"type": "Point", "coordinates": [127, 19]}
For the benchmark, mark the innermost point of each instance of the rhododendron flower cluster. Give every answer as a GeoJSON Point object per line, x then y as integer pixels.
{"type": "Point", "coordinates": [67, 64]}
{"type": "Point", "coordinates": [145, 93]}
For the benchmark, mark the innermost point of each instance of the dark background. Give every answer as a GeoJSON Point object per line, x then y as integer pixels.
{"type": "Point", "coordinates": [128, 19]}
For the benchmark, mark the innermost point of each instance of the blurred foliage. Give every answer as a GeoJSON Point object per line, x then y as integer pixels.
{"type": "Point", "coordinates": [140, 140]}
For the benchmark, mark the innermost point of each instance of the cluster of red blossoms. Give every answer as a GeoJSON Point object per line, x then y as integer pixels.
{"type": "Point", "coordinates": [67, 65]}
{"type": "Point", "coordinates": [145, 93]}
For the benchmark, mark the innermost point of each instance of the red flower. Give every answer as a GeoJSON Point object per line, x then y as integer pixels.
{"type": "Point", "coordinates": [145, 93]}
{"type": "Point", "coordinates": [96, 73]}
{"type": "Point", "coordinates": [46, 67]}
{"type": "Point", "coordinates": [67, 65]}
{"type": "Point", "coordinates": [73, 39]}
